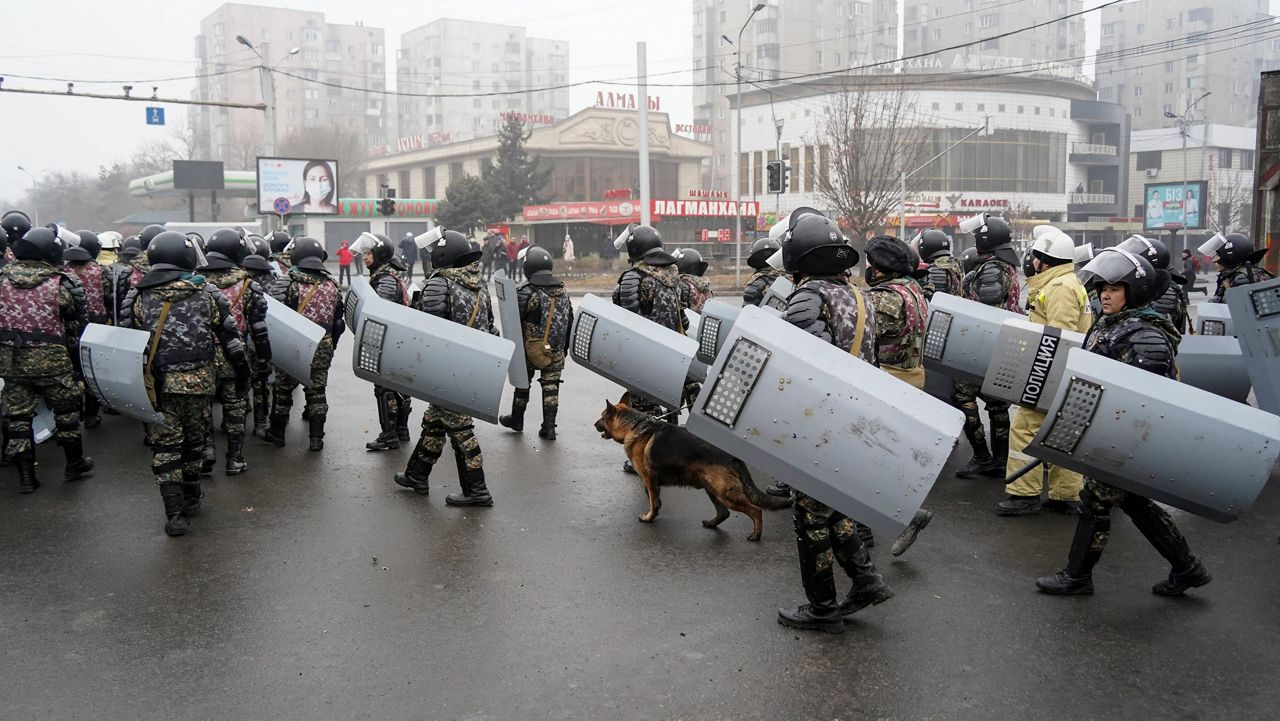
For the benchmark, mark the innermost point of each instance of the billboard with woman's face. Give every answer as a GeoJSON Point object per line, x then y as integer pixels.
{"type": "Point", "coordinates": [1164, 201]}
{"type": "Point", "coordinates": [304, 187]}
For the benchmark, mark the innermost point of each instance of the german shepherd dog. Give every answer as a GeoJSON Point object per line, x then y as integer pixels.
{"type": "Point", "coordinates": [668, 455]}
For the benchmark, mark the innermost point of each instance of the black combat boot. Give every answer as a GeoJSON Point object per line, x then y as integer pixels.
{"type": "Point", "coordinates": [909, 534]}
{"type": "Point", "coordinates": [176, 524]}
{"type": "Point", "coordinates": [779, 489]}
{"type": "Point", "coordinates": [275, 433]}
{"type": "Point", "coordinates": [1193, 576]}
{"type": "Point", "coordinates": [822, 612]}
{"type": "Point", "coordinates": [317, 433]}
{"type": "Point", "coordinates": [209, 456]}
{"type": "Point", "coordinates": [260, 418]}
{"type": "Point", "coordinates": [415, 476]}
{"type": "Point", "coordinates": [999, 457]}
{"type": "Point", "coordinates": [235, 456]}
{"type": "Point", "coordinates": [91, 417]}
{"type": "Point", "coordinates": [474, 490]}
{"type": "Point", "coordinates": [26, 463]}
{"type": "Point", "coordinates": [78, 464]}
{"type": "Point", "coordinates": [1154, 523]}
{"type": "Point", "coordinates": [519, 402]}
{"type": "Point", "coordinates": [869, 587]}
{"type": "Point", "coordinates": [982, 461]}
{"type": "Point", "coordinates": [403, 410]}
{"type": "Point", "coordinates": [864, 532]}
{"type": "Point", "coordinates": [548, 430]}
{"type": "Point", "coordinates": [387, 439]}
{"type": "Point", "coordinates": [1077, 578]}
{"type": "Point", "coordinates": [191, 494]}
{"type": "Point", "coordinates": [1018, 506]}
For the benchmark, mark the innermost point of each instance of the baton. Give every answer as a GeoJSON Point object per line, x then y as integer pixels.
{"type": "Point", "coordinates": [1023, 471]}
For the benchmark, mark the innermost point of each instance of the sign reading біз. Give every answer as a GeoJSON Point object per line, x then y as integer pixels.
{"type": "Point", "coordinates": [1162, 206]}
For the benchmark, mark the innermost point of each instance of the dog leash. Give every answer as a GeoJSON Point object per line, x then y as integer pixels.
{"type": "Point", "coordinates": [676, 412]}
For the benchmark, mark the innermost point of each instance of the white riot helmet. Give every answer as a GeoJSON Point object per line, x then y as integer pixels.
{"type": "Point", "coordinates": [110, 240]}
{"type": "Point", "coordinates": [1055, 244]}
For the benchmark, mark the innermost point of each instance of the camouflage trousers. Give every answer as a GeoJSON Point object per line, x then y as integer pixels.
{"type": "Point", "coordinates": [966, 399]}
{"type": "Point", "coordinates": [234, 407]}
{"type": "Point", "coordinates": [177, 444]}
{"type": "Point", "coordinates": [548, 378]}
{"type": "Point", "coordinates": [22, 396]}
{"type": "Point", "coordinates": [1155, 524]}
{"type": "Point", "coordinates": [317, 403]}
{"type": "Point", "coordinates": [824, 536]}
{"type": "Point", "coordinates": [437, 423]}
{"type": "Point", "coordinates": [259, 386]}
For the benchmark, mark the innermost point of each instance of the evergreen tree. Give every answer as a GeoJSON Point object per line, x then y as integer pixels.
{"type": "Point", "coordinates": [515, 179]}
{"type": "Point", "coordinates": [467, 204]}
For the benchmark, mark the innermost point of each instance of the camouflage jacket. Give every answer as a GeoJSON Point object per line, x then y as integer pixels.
{"type": "Point", "coordinates": [291, 289]}
{"type": "Point", "coordinates": [247, 302]}
{"type": "Point", "coordinates": [39, 359]}
{"type": "Point", "coordinates": [459, 295]}
{"type": "Point", "coordinates": [901, 313]}
{"type": "Point", "coordinates": [185, 333]}
{"type": "Point", "coordinates": [945, 273]}
{"type": "Point", "coordinates": [1173, 305]}
{"type": "Point", "coordinates": [389, 284]}
{"type": "Point", "coordinates": [825, 306]}
{"type": "Point", "coordinates": [760, 281]}
{"type": "Point", "coordinates": [1139, 337]}
{"type": "Point", "coordinates": [994, 282]}
{"type": "Point", "coordinates": [535, 303]}
{"type": "Point", "coordinates": [695, 291]}
{"type": "Point", "coordinates": [1242, 274]}
{"type": "Point", "coordinates": [652, 291]}
{"type": "Point", "coordinates": [98, 290]}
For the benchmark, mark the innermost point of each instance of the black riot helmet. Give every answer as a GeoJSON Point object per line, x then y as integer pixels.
{"type": "Point", "coordinates": [1117, 266]}
{"type": "Point", "coordinates": [307, 253]}
{"type": "Point", "coordinates": [89, 243]}
{"type": "Point", "coordinates": [171, 250]}
{"type": "Point", "coordinates": [453, 250]}
{"type": "Point", "coordinates": [279, 239]}
{"type": "Point", "coordinates": [382, 249]}
{"type": "Point", "coordinates": [933, 243]}
{"type": "Point", "coordinates": [536, 260]}
{"type": "Point", "coordinates": [1232, 250]}
{"type": "Point", "coordinates": [1028, 263]}
{"type": "Point", "coordinates": [969, 260]}
{"type": "Point", "coordinates": [259, 246]}
{"type": "Point", "coordinates": [228, 244]}
{"type": "Point", "coordinates": [761, 251]}
{"type": "Point", "coordinates": [814, 245]}
{"type": "Point", "coordinates": [994, 236]}
{"type": "Point", "coordinates": [890, 255]}
{"type": "Point", "coordinates": [40, 244]}
{"type": "Point", "coordinates": [130, 248]}
{"type": "Point", "coordinates": [16, 224]}
{"type": "Point", "coordinates": [149, 234]}
{"type": "Point", "coordinates": [642, 240]}
{"type": "Point", "coordinates": [1155, 251]}
{"type": "Point", "coordinates": [259, 251]}
{"type": "Point", "coordinates": [690, 262]}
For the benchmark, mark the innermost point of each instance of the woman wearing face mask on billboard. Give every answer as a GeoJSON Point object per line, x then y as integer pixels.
{"type": "Point", "coordinates": [317, 181]}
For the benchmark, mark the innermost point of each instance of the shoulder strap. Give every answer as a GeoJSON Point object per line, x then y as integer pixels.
{"type": "Point", "coordinates": [306, 299]}
{"type": "Point", "coordinates": [243, 287]}
{"type": "Point", "coordinates": [860, 328]}
{"type": "Point", "coordinates": [475, 310]}
{"type": "Point", "coordinates": [551, 314]}
{"type": "Point", "coordinates": [155, 339]}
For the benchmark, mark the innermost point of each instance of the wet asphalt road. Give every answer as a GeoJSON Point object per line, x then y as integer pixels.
{"type": "Point", "coordinates": [312, 587]}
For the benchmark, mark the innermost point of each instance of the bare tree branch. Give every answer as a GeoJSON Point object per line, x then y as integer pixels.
{"type": "Point", "coordinates": [1231, 198]}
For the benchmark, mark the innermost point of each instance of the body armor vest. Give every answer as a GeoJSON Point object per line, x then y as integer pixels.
{"type": "Point", "coordinates": [29, 316]}
{"type": "Point", "coordinates": [322, 304]}
{"type": "Point", "coordinates": [906, 350]}
{"type": "Point", "coordinates": [186, 341]}
{"type": "Point", "coordinates": [1113, 341]}
{"type": "Point", "coordinates": [95, 302]}
{"type": "Point", "coordinates": [842, 317]}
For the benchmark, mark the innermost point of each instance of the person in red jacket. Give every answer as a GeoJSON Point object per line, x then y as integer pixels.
{"type": "Point", "coordinates": [344, 263]}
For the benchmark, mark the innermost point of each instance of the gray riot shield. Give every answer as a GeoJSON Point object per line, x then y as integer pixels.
{"type": "Point", "coordinates": [961, 336]}
{"type": "Point", "coordinates": [430, 358]}
{"type": "Point", "coordinates": [358, 291]}
{"type": "Point", "coordinates": [692, 326]}
{"type": "Point", "coordinates": [1214, 363]}
{"type": "Point", "coordinates": [1214, 319]}
{"type": "Point", "coordinates": [714, 325]}
{"type": "Point", "coordinates": [1027, 362]}
{"type": "Point", "coordinates": [509, 320]}
{"type": "Point", "coordinates": [1256, 311]}
{"type": "Point", "coordinates": [775, 296]}
{"type": "Point", "coordinates": [831, 425]}
{"type": "Point", "coordinates": [1159, 438]}
{"type": "Point", "coordinates": [632, 351]}
{"type": "Point", "coordinates": [112, 359]}
{"type": "Point", "coordinates": [294, 341]}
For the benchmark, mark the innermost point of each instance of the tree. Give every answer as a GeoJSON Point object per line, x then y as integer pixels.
{"type": "Point", "coordinates": [246, 146]}
{"type": "Point", "coordinates": [515, 179]}
{"type": "Point", "coordinates": [871, 138]}
{"type": "Point", "coordinates": [468, 204]}
{"type": "Point", "coordinates": [1232, 209]}
{"type": "Point", "coordinates": [332, 143]}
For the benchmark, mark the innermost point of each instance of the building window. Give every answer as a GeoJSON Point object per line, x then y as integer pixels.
{"type": "Point", "coordinates": [959, 107]}
{"type": "Point", "coordinates": [936, 106]}
{"type": "Point", "coordinates": [1246, 159]}
{"type": "Point", "coordinates": [455, 171]}
{"type": "Point", "coordinates": [987, 21]}
{"type": "Point", "coordinates": [1000, 108]}
{"type": "Point", "coordinates": [1147, 160]}
{"type": "Point", "coordinates": [982, 107]}
{"type": "Point", "coordinates": [744, 172]}
{"type": "Point", "coordinates": [1137, 91]}
{"type": "Point", "coordinates": [1019, 110]}
{"type": "Point", "coordinates": [1224, 157]}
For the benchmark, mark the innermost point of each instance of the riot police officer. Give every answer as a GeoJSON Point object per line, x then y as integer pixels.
{"type": "Point", "coordinates": [279, 242]}
{"type": "Point", "coordinates": [14, 224]}
{"type": "Point", "coordinates": [185, 317]}
{"type": "Point", "coordinates": [82, 261]}
{"type": "Point", "coordinates": [1056, 299]}
{"type": "Point", "coordinates": [994, 282]}
{"type": "Point", "coordinates": [1081, 257]}
{"type": "Point", "coordinates": [1237, 263]}
{"type": "Point", "coordinates": [546, 320]}
{"type": "Point", "coordinates": [817, 255]}
{"type": "Point", "coordinates": [454, 291]}
{"type": "Point", "coordinates": [695, 290]}
{"type": "Point", "coordinates": [312, 292]}
{"type": "Point", "coordinates": [247, 301]}
{"type": "Point", "coordinates": [1131, 332]}
{"type": "Point", "coordinates": [41, 317]}
{"type": "Point", "coordinates": [765, 274]}
{"type": "Point", "coordinates": [257, 265]}
{"type": "Point", "coordinates": [944, 269]}
{"type": "Point", "coordinates": [393, 408]}
{"type": "Point", "coordinates": [1171, 300]}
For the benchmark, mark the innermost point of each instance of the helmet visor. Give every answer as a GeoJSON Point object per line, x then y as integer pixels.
{"type": "Point", "coordinates": [775, 260]}
{"type": "Point", "coordinates": [362, 244]}
{"type": "Point", "coordinates": [620, 242]}
{"type": "Point", "coordinates": [1083, 254]}
{"type": "Point", "coordinates": [1211, 246]}
{"type": "Point", "coordinates": [424, 240]}
{"type": "Point", "coordinates": [968, 225]}
{"type": "Point", "coordinates": [1110, 265]}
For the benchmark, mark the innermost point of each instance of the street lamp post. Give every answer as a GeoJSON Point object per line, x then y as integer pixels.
{"type": "Point", "coordinates": [35, 214]}
{"type": "Point", "coordinates": [736, 181]}
{"type": "Point", "coordinates": [268, 90]}
{"type": "Point", "coordinates": [1183, 124]}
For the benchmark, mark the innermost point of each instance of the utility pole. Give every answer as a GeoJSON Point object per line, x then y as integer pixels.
{"type": "Point", "coordinates": [777, 198]}
{"type": "Point", "coordinates": [1183, 124]}
{"type": "Point", "coordinates": [736, 180]}
{"type": "Point", "coordinates": [642, 102]}
{"type": "Point", "coordinates": [266, 75]}
{"type": "Point", "coordinates": [984, 129]}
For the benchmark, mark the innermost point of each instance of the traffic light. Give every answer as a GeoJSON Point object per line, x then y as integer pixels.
{"type": "Point", "coordinates": [776, 176]}
{"type": "Point", "coordinates": [387, 206]}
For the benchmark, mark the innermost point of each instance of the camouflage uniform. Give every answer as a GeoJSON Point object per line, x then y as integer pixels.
{"type": "Point", "coordinates": [393, 408]}
{"type": "Point", "coordinates": [753, 293]}
{"type": "Point", "coordinates": [324, 308]}
{"type": "Point", "coordinates": [234, 405]}
{"type": "Point", "coordinates": [98, 287]}
{"type": "Point", "coordinates": [1242, 274]}
{"type": "Point", "coordinates": [993, 282]}
{"type": "Point", "coordinates": [653, 292]}
{"type": "Point", "coordinates": [534, 301]}
{"type": "Point", "coordinates": [826, 307]}
{"type": "Point", "coordinates": [945, 274]}
{"type": "Point", "coordinates": [695, 291]}
{"type": "Point", "coordinates": [1172, 304]}
{"type": "Point", "coordinates": [453, 294]}
{"type": "Point", "coordinates": [260, 368]}
{"type": "Point", "coordinates": [39, 350]}
{"type": "Point", "coordinates": [901, 313]}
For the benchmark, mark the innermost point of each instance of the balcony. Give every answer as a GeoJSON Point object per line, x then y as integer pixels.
{"type": "Point", "coordinates": [1094, 154]}
{"type": "Point", "coordinates": [1081, 204]}
{"type": "Point", "coordinates": [1093, 199]}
